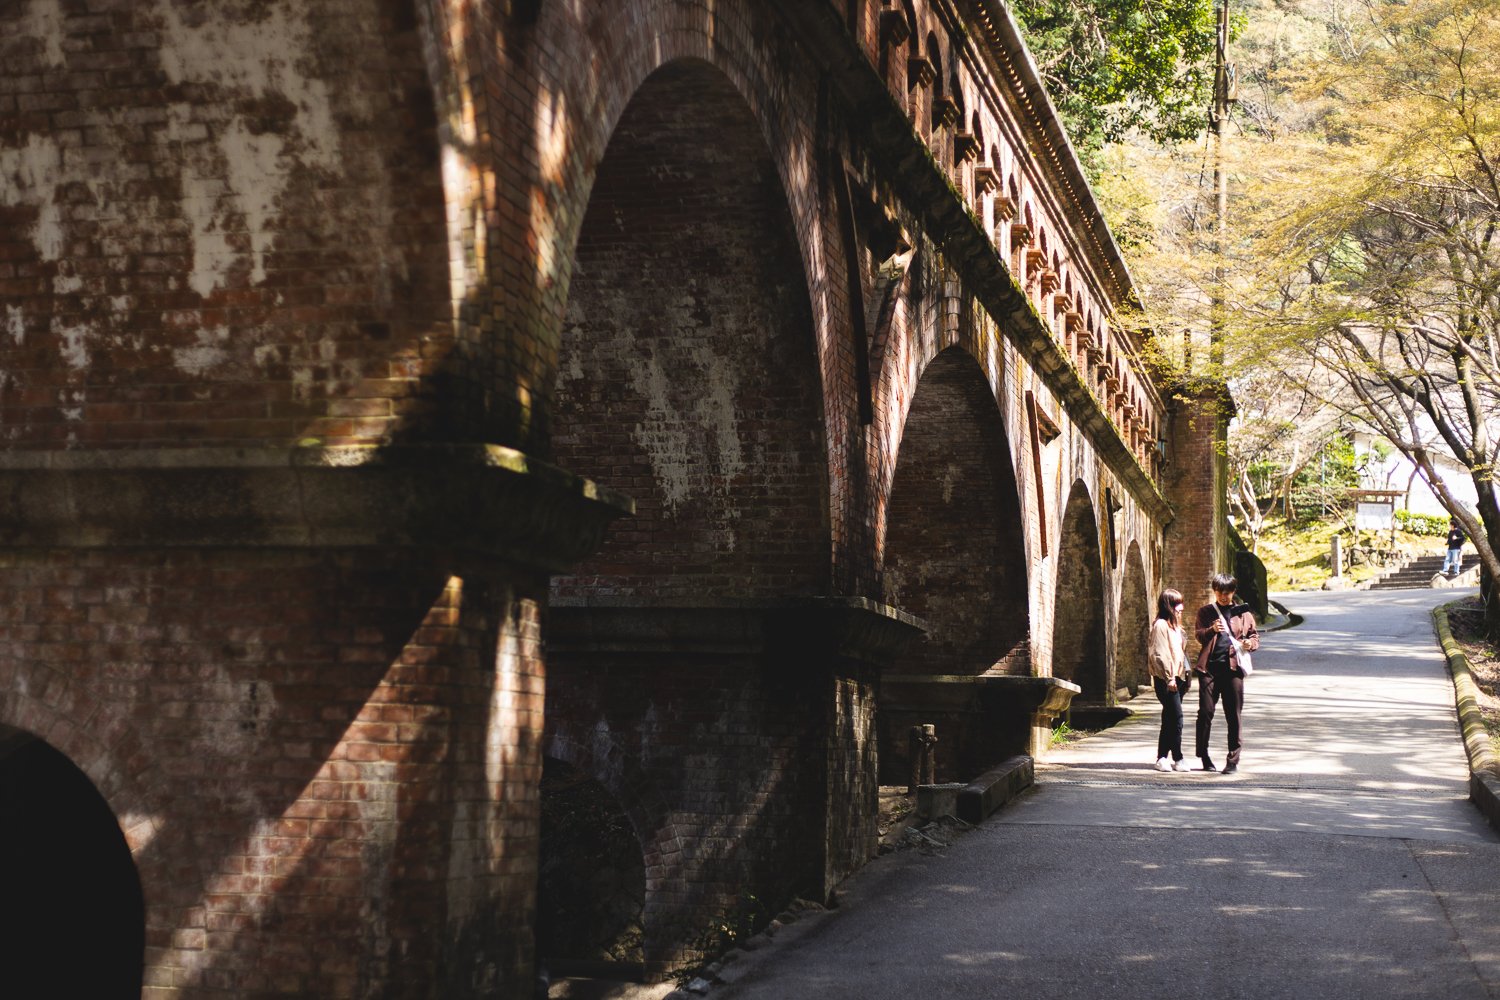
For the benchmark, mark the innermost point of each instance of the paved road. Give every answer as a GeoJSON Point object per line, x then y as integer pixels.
{"type": "Point", "coordinates": [1343, 861]}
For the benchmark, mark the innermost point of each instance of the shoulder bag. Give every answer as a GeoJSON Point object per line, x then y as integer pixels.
{"type": "Point", "coordinates": [1241, 655]}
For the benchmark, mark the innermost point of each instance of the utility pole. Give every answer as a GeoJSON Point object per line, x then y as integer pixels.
{"type": "Point", "coordinates": [1223, 94]}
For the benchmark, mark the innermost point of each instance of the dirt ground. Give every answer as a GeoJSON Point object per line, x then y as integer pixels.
{"type": "Point", "coordinates": [1484, 662]}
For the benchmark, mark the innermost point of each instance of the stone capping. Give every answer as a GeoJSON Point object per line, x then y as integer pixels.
{"type": "Point", "coordinates": [1484, 768]}
{"type": "Point", "coordinates": [854, 627]}
{"type": "Point", "coordinates": [481, 498]}
{"type": "Point", "coordinates": [995, 787]}
{"type": "Point", "coordinates": [1004, 43]}
{"type": "Point", "coordinates": [930, 195]}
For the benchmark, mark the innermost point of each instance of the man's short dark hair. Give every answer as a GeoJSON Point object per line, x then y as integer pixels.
{"type": "Point", "coordinates": [1224, 583]}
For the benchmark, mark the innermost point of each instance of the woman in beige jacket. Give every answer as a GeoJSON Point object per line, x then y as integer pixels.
{"type": "Point", "coordinates": [1170, 677]}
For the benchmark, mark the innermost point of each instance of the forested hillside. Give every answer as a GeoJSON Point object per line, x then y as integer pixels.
{"type": "Point", "coordinates": [1352, 283]}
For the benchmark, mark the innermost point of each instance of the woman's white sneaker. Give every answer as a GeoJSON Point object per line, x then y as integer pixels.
{"type": "Point", "coordinates": [1180, 765]}
{"type": "Point", "coordinates": [1164, 764]}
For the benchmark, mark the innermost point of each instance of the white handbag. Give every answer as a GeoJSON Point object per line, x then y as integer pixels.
{"type": "Point", "coordinates": [1241, 655]}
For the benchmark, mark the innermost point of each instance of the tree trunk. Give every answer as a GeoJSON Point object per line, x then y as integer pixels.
{"type": "Point", "coordinates": [1489, 517]}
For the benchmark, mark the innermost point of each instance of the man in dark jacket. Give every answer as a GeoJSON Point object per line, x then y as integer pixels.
{"type": "Point", "coordinates": [1225, 628]}
{"type": "Point", "coordinates": [1453, 564]}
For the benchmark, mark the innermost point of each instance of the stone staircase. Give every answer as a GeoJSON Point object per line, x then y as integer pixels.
{"type": "Point", "coordinates": [1417, 573]}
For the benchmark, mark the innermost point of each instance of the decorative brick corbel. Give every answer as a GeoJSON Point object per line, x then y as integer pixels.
{"type": "Point", "coordinates": [965, 146]}
{"type": "Point", "coordinates": [895, 29]}
{"type": "Point", "coordinates": [944, 111]}
{"type": "Point", "coordinates": [919, 73]}
{"type": "Point", "coordinates": [1081, 334]}
{"type": "Point", "coordinates": [985, 181]}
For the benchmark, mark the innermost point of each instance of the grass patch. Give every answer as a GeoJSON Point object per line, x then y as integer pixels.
{"type": "Point", "coordinates": [1297, 556]}
{"type": "Point", "coordinates": [1063, 734]}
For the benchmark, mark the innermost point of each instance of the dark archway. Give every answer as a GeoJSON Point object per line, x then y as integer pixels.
{"type": "Point", "coordinates": [591, 886]}
{"type": "Point", "coordinates": [689, 379]}
{"type": "Point", "coordinates": [1132, 623]}
{"type": "Point", "coordinates": [1078, 644]}
{"type": "Point", "coordinates": [688, 375]}
{"type": "Point", "coordinates": [954, 553]}
{"type": "Point", "coordinates": [955, 557]}
{"type": "Point", "coordinates": [72, 914]}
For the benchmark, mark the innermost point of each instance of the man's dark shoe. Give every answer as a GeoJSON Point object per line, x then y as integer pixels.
{"type": "Point", "coordinates": [1208, 765]}
{"type": "Point", "coordinates": [1230, 768]}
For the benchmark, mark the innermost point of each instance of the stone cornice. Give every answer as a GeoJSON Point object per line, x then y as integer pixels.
{"type": "Point", "coordinates": [928, 193]}
{"type": "Point", "coordinates": [1015, 67]}
{"type": "Point", "coordinates": [476, 498]}
{"type": "Point", "coordinates": [852, 627]}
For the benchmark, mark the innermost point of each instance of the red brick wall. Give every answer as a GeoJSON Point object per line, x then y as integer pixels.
{"type": "Point", "coordinates": [312, 222]}
{"type": "Point", "coordinates": [305, 752]}
{"type": "Point", "coordinates": [730, 779]}
{"type": "Point", "coordinates": [1136, 609]}
{"type": "Point", "coordinates": [1197, 542]}
{"type": "Point", "coordinates": [219, 225]}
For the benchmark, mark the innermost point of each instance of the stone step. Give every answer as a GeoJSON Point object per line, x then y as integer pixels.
{"type": "Point", "coordinates": [1417, 573]}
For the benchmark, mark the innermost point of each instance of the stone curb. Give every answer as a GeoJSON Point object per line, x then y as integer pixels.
{"type": "Point", "coordinates": [1484, 769]}
{"type": "Point", "coordinates": [994, 788]}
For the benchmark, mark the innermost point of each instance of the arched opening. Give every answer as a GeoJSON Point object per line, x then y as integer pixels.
{"type": "Point", "coordinates": [689, 380]}
{"type": "Point", "coordinates": [954, 553]}
{"type": "Point", "coordinates": [1132, 623]}
{"type": "Point", "coordinates": [72, 914]}
{"type": "Point", "coordinates": [688, 377]}
{"type": "Point", "coordinates": [1078, 645]}
{"type": "Point", "coordinates": [955, 557]}
{"type": "Point", "coordinates": [591, 883]}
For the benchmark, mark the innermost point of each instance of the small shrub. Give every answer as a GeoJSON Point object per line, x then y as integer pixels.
{"type": "Point", "coordinates": [1422, 524]}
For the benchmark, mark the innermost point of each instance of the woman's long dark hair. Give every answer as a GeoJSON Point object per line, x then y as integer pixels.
{"type": "Point", "coordinates": [1166, 607]}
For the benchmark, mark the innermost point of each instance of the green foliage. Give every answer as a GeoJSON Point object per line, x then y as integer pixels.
{"type": "Point", "coordinates": [1062, 733]}
{"type": "Point", "coordinates": [1323, 485]}
{"type": "Point", "coordinates": [729, 929]}
{"type": "Point", "coordinates": [1116, 65]}
{"type": "Point", "coordinates": [1422, 524]}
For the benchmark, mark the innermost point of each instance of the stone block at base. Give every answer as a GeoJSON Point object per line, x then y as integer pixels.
{"type": "Point", "coordinates": [936, 801]}
{"type": "Point", "coordinates": [995, 787]}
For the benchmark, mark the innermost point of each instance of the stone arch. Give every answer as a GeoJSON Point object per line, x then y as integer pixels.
{"type": "Point", "coordinates": [698, 396]}
{"type": "Point", "coordinates": [1133, 615]}
{"type": "Point", "coordinates": [954, 552]}
{"type": "Point", "coordinates": [111, 756]}
{"type": "Point", "coordinates": [69, 867]}
{"type": "Point", "coordinates": [1078, 631]}
{"type": "Point", "coordinates": [690, 378]}
{"type": "Point", "coordinates": [660, 842]}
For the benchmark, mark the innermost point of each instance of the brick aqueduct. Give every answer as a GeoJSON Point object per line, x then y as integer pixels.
{"type": "Point", "coordinates": [451, 445]}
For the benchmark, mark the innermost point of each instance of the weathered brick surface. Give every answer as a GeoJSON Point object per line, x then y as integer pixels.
{"type": "Point", "coordinates": [688, 375]}
{"type": "Point", "coordinates": [303, 750]}
{"type": "Point", "coordinates": [217, 225]}
{"type": "Point", "coordinates": [1197, 539]}
{"type": "Point", "coordinates": [609, 233]}
{"type": "Point", "coordinates": [738, 774]}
